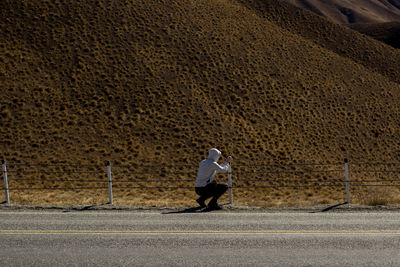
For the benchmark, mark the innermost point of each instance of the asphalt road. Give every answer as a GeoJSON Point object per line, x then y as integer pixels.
{"type": "Point", "coordinates": [132, 238]}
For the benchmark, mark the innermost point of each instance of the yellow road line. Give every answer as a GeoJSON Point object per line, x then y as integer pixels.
{"type": "Point", "coordinates": [197, 233]}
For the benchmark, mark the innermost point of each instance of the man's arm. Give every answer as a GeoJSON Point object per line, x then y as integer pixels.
{"type": "Point", "coordinates": [225, 167]}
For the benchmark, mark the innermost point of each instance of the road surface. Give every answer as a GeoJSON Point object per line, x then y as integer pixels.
{"type": "Point", "coordinates": [134, 238]}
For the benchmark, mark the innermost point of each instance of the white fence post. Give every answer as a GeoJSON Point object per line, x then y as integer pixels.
{"type": "Point", "coordinates": [110, 196]}
{"type": "Point", "coordinates": [346, 174]}
{"type": "Point", "coordinates": [5, 179]}
{"type": "Point", "coordinates": [230, 185]}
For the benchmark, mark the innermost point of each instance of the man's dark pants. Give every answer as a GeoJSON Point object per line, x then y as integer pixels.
{"type": "Point", "coordinates": [214, 190]}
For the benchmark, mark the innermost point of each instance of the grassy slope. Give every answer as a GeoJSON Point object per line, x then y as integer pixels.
{"type": "Point", "coordinates": [123, 81]}
{"type": "Point", "coordinates": [151, 81]}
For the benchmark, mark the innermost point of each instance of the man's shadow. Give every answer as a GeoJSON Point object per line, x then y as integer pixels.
{"type": "Point", "coordinates": [188, 210]}
{"type": "Point", "coordinates": [197, 209]}
{"type": "Point", "coordinates": [330, 207]}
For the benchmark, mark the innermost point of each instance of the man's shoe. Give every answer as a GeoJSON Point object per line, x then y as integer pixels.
{"type": "Point", "coordinates": [201, 203]}
{"type": "Point", "coordinates": [214, 207]}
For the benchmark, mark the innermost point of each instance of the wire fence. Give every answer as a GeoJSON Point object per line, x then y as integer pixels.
{"type": "Point", "coordinates": [21, 177]}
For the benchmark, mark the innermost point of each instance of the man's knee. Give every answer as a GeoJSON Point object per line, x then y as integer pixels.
{"type": "Point", "coordinates": [222, 187]}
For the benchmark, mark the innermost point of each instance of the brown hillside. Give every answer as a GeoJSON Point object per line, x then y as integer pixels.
{"type": "Point", "coordinates": [162, 82]}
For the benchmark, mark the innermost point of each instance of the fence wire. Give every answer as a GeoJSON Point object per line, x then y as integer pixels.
{"type": "Point", "coordinates": [157, 176]}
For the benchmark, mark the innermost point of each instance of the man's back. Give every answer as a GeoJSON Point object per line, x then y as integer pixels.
{"type": "Point", "coordinates": [206, 173]}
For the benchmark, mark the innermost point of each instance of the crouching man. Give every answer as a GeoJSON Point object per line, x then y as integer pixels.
{"type": "Point", "coordinates": [205, 186]}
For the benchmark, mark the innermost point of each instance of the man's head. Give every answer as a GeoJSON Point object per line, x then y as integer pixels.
{"type": "Point", "coordinates": [214, 154]}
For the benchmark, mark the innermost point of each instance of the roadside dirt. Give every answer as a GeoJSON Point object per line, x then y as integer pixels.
{"type": "Point", "coordinates": [226, 208]}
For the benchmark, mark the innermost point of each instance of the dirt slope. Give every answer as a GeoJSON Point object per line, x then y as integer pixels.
{"type": "Point", "coordinates": [142, 81]}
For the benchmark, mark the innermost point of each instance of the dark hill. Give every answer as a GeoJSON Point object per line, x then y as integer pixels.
{"type": "Point", "coordinates": [388, 32]}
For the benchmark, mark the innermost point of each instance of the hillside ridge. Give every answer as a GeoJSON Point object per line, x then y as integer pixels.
{"type": "Point", "coordinates": [348, 12]}
{"type": "Point", "coordinates": [377, 19]}
{"type": "Point", "coordinates": [343, 41]}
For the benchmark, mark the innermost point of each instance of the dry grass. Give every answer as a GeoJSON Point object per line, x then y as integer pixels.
{"type": "Point", "coordinates": [186, 197]}
{"type": "Point", "coordinates": [378, 196]}
{"type": "Point", "coordinates": [147, 82]}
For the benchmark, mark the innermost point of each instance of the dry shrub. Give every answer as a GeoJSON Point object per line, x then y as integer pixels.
{"type": "Point", "coordinates": [59, 197]}
{"type": "Point", "coordinates": [377, 196]}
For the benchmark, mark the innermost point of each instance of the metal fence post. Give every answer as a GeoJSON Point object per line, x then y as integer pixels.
{"type": "Point", "coordinates": [5, 179]}
{"type": "Point", "coordinates": [110, 196]}
{"type": "Point", "coordinates": [346, 174]}
{"type": "Point", "coordinates": [230, 185]}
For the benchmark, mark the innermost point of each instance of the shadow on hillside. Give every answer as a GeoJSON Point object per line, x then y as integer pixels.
{"type": "Point", "coordinates": [330, 208]}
